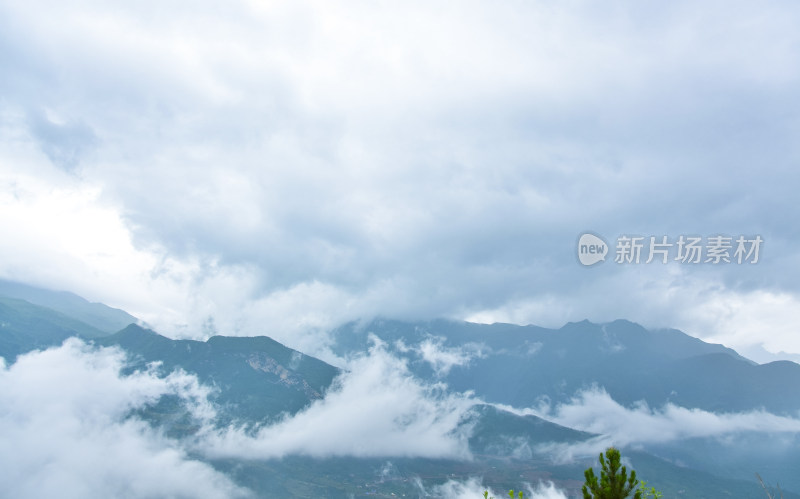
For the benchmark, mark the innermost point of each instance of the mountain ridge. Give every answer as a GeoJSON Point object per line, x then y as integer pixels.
{"type": "Point", "coordinates": [631, 362]}
{"type": "Point", "coordinates": [258, 381]}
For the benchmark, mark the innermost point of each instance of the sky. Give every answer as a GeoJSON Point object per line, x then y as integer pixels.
{"type": "Point", "coordinates": [282, 167]}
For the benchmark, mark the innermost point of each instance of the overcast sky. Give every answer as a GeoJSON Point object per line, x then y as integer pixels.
{"type": "Point", "coordinates": [269, 167]}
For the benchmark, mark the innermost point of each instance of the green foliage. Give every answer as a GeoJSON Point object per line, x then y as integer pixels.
{"type": "Point", "coordinates": [614, 482]}
{"type": "Point", "coordinates": [649, 493]}
{"type": "Point", "coordinates": [520, 495]}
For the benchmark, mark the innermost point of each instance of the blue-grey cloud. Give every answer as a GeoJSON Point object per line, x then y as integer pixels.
{"type": "Point", "coordinates": [63, 143]}
{"type": "Point", "coordinates": [328, 162]}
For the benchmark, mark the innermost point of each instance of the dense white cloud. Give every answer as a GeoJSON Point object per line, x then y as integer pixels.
{"type": "Point", "coordinates": [594, 411]}
{"type": "Point", "coordinates": [65, 430]}
{"type": "Point", "coordinates": [282, 167]}
{"type": "Point", "coordinates": [67, 426]}
{"type": "Point", "coordinates": [74, 400]}
{"type": "Point", "coordinates": [443, 358]}
{"type": "Point", "coordinates": [377, 408]}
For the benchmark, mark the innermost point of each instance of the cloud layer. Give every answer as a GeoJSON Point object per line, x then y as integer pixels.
{"type": "Point", "coordinates": [377, 408]}
{"type": "Point", "coordinates": [594, 411]}
{"type": "Point", "coordinates": [282, 167]}
{"type": "Point", "coordinates": [65, 432]}
{"type": "Point", "coordinates": [69, 425]}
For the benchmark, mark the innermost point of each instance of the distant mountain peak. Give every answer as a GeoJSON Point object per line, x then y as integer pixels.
{"type": "Point", "coordinates": [136, 329]}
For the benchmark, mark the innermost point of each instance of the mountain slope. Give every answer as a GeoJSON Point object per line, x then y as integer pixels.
{"type": "Point", "coordinates": [500, 433]}
{"type": "Point", "coordinates": [25, 327]}
{"type": "Point", "coordinates": [519, 365]}
{"type": "Point", "coordinates": [257, 377]}
{"type": "Point", "coordinates": [99, 316]}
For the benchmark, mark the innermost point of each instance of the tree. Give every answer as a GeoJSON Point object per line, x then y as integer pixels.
{"type": "Point", "coordinates": [652, 492]}
{"type": "Point", "coordinates": [614, 482]}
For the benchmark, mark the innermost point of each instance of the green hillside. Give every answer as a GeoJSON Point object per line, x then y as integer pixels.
{"type": "Point", "coordinates": [25, 327]}
{"type": "Point", "coordinates": [257, 377]}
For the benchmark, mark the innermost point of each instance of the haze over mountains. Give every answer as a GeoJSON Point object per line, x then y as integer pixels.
{"type": "Point", "coordinates": [413, 408]}
{"type": "Point", "coordinates": [630, 362]}
{"type": "Point", "coordinates": [97, 315]}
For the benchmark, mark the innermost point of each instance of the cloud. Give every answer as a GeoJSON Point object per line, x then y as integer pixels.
{"type": "Point", "coordinates": [473, 487]}
{"type": "Point", "coordinates": [594, 411]}
{"type": "Point", "coordinates": [442, 359]}
{"type": "Point", "coordinates": [696, 302]}
{"type": "Point", "coordinates": [375, 409]}
{"type": "Point", "coordinates": [63, 143]}
{"type": "Point", "coordinates": [284, 167]}
{"type": "Point", "coordinates": [66, 432]}
{"type": "Point", "coordinates": [69, 425]}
